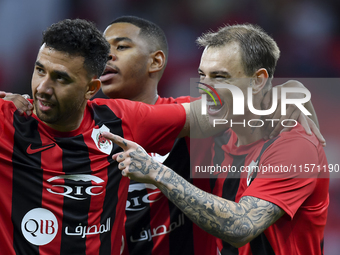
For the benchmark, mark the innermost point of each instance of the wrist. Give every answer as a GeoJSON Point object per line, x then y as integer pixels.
{"type": "Point", "coordinates": [163, 177]}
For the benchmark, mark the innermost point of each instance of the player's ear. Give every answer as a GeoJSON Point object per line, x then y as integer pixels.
{"type": "Point", "coordinates": [157, 60]}
{"type": "Point", "coordinates": [260, 80]}
{"type": "Point", "coordinates": [93, 87]}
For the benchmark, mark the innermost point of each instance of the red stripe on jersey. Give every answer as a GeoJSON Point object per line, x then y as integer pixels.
{"type": "Point", "coordinates": [96, 206]}
{"type": "Point", "coordinates": [107, 203]}
{"type": "Point", "coordinates": [6, 181]}
{"type": "Point", "coordinates": [200, 154]}
{"type": "Point", "coordinates": [117, 229]}
{"type": "Point", "coordinates": [204, 243]}
{"type": "Point", "coordinates": [304, 197]}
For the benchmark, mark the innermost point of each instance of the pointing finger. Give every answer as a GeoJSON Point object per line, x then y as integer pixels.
{"type": "Point", "coordinates": [123, 143]}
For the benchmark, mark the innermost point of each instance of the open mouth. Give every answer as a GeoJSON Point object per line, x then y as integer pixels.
{"type": "Point", "coordinates": [44, 105]}
{"type": "Point", "coordinates": [214, 107]}
{"type": "Point", "coordinates": [108, 74]}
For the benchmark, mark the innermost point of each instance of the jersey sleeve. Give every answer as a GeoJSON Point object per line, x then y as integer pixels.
{"type": "Point", "coordinates": [286, 186]}
{"type": "Point", "coordinates": [154, 127]}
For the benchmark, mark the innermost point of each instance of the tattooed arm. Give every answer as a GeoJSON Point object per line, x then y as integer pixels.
{"type": "Point", "coordinates": [235, 223]}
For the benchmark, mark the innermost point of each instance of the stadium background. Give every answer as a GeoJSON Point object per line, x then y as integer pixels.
{"type": "Point", "coordinates": [307, 32]}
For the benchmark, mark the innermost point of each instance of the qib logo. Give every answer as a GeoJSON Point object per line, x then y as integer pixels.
{"type": "Point", "coordinates": [39, 226]}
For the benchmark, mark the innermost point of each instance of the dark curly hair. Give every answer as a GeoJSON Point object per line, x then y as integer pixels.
{"type": "Point", "coordinates": [79, 37]}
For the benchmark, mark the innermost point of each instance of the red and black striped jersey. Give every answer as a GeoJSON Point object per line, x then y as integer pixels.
{"type": "Point", "coordinates": [154, 225]}
{"type": "Point", "coordinates": [61, 192]}
{"type": "Point", "coordinates": [290, 171]}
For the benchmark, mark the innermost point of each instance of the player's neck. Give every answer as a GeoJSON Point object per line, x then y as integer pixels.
{"type": "Point", "coordinates": [149, 93]}
{"type": "Point", "coordinates": [248, 136]}
{"type": "Point", "coordinates": [148, 98]}
{"type": "Point", "coordinates": [68, 124]}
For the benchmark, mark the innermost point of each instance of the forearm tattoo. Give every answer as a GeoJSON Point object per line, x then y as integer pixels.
{"type": "Point", "coordinates": [138, 161]}
{"type": "Point", "coordinates": [235, 223]}
{"type": "Point", "coordinates": [143, 163]}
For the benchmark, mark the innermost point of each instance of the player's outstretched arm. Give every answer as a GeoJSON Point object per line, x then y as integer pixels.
{"type": "Point", "coordinates": [197, 125]}
{"type": "Point", "coordinates": [235, 223]}
{"type": "Point", "coordinates": [20, 101]}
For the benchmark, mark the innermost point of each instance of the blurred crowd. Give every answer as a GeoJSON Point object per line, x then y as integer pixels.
{"type": "Point", "coordinates": [307, 32]}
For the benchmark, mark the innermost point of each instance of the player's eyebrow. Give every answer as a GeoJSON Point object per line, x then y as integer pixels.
{"type": "Point", "coordinates": [119, 39]}
{"type": "Point", "coordinates": [214, 73]}
{"type": "Point", "coordinates": [62, 74]}
{"type": "Point", "coordinates": [224, 73]}
{"type": "Point", "coordinates": [37, 63]}
{"type": "Point", "coordinates": [56, 72]}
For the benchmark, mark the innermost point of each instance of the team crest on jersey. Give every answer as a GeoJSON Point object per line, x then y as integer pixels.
{"type": "Point", "coordinates": [252, 172]}
{"type": "Point", "coordinates": [101, 142]}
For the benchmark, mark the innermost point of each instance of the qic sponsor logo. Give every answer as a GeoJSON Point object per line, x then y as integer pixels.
{"type": "Point", "coordinates": [39, 226]}
{"type": "Point", "coordinates": [76, 192]}
{"type": "Point", "coordinates": [139, 202]}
